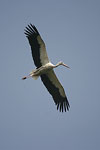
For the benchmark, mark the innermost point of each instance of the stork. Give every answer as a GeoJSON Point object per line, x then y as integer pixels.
{"type": "Point", "coordinates": [44, 68]}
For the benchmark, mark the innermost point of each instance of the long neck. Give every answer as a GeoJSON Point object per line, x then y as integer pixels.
{"type": "Point", "coordinates": [58, 64]}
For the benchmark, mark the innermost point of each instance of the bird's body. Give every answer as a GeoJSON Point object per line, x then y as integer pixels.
{"type": "Point", "coordinates": [45, 68]}
{"type": "Point", "coordinates": [41, 70]}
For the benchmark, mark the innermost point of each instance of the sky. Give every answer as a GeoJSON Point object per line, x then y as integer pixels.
{"type": "Point", "coordinates": [28, 116]}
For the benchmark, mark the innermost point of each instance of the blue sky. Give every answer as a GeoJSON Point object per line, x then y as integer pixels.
{"type": "Point", "coordinates": [28, 115]}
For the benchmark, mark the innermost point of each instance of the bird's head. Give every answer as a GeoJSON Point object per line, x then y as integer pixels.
{"type": "Point", "coordinates": [61, 63]}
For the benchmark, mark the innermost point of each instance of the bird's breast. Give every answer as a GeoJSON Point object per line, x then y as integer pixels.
{"type": "Point", "coordinates": [43, 69]}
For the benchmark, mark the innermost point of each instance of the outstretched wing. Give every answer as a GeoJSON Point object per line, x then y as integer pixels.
{"type": "Point", "coordinates": [56, 90]}
{"type": "Point", "coordinates": [38, 49]}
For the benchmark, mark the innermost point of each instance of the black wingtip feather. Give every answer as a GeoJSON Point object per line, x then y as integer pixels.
{"type": "Point", "coordinates": [30, 30]}
{"type": "Point", "coordinates": [35, 29]}
{"type": "Point", "coordinates": [63, 106]}
{"type": "Point", "coordinates": [27, 32]}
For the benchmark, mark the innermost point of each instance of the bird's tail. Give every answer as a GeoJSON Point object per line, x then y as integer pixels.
{"type": "Point", "coordinates": [35, 77]}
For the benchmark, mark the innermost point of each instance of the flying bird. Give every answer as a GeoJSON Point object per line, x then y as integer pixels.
{"type": "Point", "coordinates": [44, 68]}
